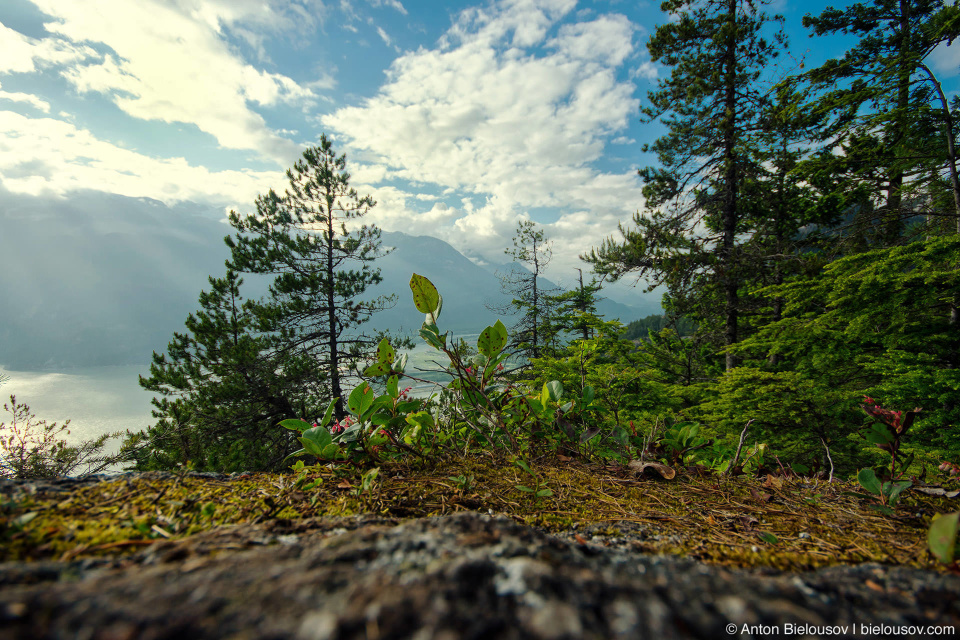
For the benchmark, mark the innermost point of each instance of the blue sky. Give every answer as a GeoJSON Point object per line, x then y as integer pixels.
{"type": "Point", "coordinates": [457, 117]}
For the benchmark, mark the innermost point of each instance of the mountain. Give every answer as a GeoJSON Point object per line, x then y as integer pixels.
{"type": "Point", "coordinates": [609, 309]}
{"type": "Point", "coordinates": [100, 279]}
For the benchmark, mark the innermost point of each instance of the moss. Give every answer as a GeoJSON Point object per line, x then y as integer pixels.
{"type": "Point", "coordinates": [700, 516]}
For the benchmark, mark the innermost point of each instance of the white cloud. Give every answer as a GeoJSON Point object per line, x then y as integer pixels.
{"type": "Point", "coordinates": [946, 59]}
{"type": "Point", "coordinates": [509, 117]}
{"type": "Point", "coordinates": [393, 4]}
{"type": "Point", "coordinates": [170, 62]}
{"type": "Point", "coordinates": [383, 36]}
{"type": "Point", "coordinates": [607, 40]}
{"type": "Point", "coordinates": [21, 54]}
{"type": "Point", "coordinates": [27, 98]}
{"type": "Point", "coordinates": [47, 155]}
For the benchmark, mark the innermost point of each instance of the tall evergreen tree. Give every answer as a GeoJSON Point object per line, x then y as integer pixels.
{"type": "Point", "coordinates": [223, 389]}
{"type": "Point", "coordinates": [321, 266]}
{"type": "Point", "coordinates": [881, 95]}
{"type": "Point", "coordinates": [710, 106]}
{"type": "Point", "coordinates": [784, 209]}
{"type": "Point", "coordinates": [532, 252]}
{"type": "Point", "coordinates": [575, 311]}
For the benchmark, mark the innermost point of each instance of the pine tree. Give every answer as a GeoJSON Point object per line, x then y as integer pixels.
{"type": "Point", "coordinates": [321, 267]}
{"type": "Point", "coordinates": [574, 312]}
{"type": "Point", "coordinates": [532, 250]}
{"type": "Point", "coordinates": [223, 390]}
{"type": "Point", "coordinates": [882, 104]}
{"type": "Point", "coordinates": [709, 104]}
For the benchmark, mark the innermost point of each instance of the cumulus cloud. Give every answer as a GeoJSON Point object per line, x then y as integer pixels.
{"type": "Point", "coordinates": [51, 156]}
{"type": "Point", "coordinates": [510, 109]}
{"type": "Point", "coordinates": [393, 4]}
{"type": "Point", "coordinates": [22, 54]}
{"type": "Point", "coordinates": [26, 98]}
{"type": "Point", "coordinates": [946, 59]}
{"type": "Point", "coordinates": [171, 62]}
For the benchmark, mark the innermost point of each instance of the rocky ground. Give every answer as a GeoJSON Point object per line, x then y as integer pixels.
{"type": "Point", "coordinates": [466, 575]}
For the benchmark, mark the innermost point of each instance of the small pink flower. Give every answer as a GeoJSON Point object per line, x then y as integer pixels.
{"type": "Point", "coordinates": [469, 370]}
{"type": "Point", "coordinates": [500, 367]}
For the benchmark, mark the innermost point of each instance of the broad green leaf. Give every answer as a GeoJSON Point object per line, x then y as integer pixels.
{"type": "Point", "coordinates": [331, 451]}
{"type": "Point", "coordinates": [295, 425]}
{"type": "Point", "coordinates": [421, 419]}
{"type": "Point", "coordinates": [425, 296]}
{"type": "Point", "coordinates": [543, 493]}
{"type": "Point", "coordinates": [554, 389]}
{"type": "Point", "coordinates": [894, 489]}
{"type": "Point", "coordinates": [492, 340]}
{"type": "Point", "coordinates": [312, 447]}
{"type": "Point", "coordinates": [501, 330]}
{"type": "Point", "coordinates": [318, 435]}
{"type": "Point", "coordinates": [377, 369]}
{"type": "Point", "coordinates": [360, 399]}
{"type": "Point", "coordinates": [400, 363]}
{"type": "Point", "coordinates": [523, 465]}
{"type": "Point", "coordinates": [588, 394]}
{"type": "Point", "coordinates": [879, 434]}
{"type": "Point", "coordinates": [942, 537]}
{"type": "Point", "coordinates": [385, 353]}
{"type": "Point", "coordinates": [869, 481]}
{"type": "Point", "coordinates": [393, 389]}
{"type": "Point", "coordinates": [431, 336]}
{"type": "Point", "coordinates": [768, 537]}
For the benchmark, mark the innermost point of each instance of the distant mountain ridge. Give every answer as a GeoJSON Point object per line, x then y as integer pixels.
{"type": "Point", "coordinates": [100, 279]}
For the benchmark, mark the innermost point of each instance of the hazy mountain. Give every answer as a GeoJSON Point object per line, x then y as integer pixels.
{"type": "Point", "coordinates": [609, 309]}
{"type": "Point", "coordinates": [101, 279]}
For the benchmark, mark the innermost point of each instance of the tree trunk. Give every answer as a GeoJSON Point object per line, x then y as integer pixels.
{"type": "Point", "coordinates": [730, 276]}
{"type": "Point", "coordinates": [536, 271]}
{"type": "Point", "coordinates": [893, 223]}
{"type": "Point", "coordinates": [335, 389]}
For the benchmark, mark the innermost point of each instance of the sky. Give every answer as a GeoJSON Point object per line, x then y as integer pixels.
{"type": "Point", "coordinates": [459, 118]}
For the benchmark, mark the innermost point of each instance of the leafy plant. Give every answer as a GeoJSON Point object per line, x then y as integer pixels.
{"type": "Point", "coordinates": [888, 492]}
{"type": "Point", "coordinates": [464, 483]}
{"type": "Point", "coordinates": [681, 440]}
{"type": "Point", "coordinates": [367, 481]}
{"type": "Point", "coordinates": [539, 489]}
{"type": "Point", "coordinates": [316, 438]}
{"type": "Point", "coordinates": [887, 432]}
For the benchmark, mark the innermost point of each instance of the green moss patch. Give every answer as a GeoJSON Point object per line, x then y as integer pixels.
{"type": "Point", "coordinates": [787, 524]}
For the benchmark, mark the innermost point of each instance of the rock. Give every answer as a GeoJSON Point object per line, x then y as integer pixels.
{"type": "Point", "coordinates": [460, 576]}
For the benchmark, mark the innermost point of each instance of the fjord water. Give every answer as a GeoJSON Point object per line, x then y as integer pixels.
{"type": "Point", "coordinates": [96, 400]}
